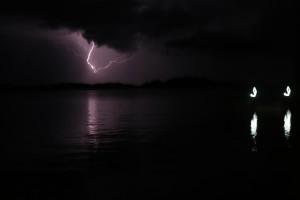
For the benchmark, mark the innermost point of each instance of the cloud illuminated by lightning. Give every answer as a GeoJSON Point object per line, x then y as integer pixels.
{"type": "Point", "coordinates": [115, 61]}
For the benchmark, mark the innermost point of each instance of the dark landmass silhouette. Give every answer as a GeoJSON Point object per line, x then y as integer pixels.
{"type": "Point", "coordinates": [179, 82]}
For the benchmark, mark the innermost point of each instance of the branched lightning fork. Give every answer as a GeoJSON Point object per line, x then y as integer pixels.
{"type": "Point", "coordinates": [115, 61]}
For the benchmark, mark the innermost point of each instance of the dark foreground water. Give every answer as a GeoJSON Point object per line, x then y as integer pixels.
{"type": "Point", "coordinates": [146, 144]}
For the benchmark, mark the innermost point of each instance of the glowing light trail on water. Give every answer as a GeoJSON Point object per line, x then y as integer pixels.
{"type": "Point", "coordinates": [287, 124]}
{"type": "Point", "coordinates": [253, 125]}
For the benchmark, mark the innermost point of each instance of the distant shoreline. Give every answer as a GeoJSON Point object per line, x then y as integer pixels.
{"type": "Point", "coordinates": [182, 82]}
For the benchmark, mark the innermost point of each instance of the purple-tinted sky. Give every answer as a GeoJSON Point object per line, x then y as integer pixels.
{"type": "Point", "coordinates": [48, 42]}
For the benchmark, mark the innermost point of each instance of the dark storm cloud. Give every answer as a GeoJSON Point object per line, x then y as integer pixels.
{"type": "Point", "coordinates": [223, 39]}
{"type": "Point", "coordinates": [267, 30]}
{"type": "Point", "coordinates": [216, 25]}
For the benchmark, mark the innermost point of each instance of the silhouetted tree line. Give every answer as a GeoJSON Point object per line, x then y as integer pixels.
{"type": "Point", "coordinates": [179, 82]}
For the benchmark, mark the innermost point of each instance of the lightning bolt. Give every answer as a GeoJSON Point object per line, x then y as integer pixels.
{"type": "Point", "coordinates": [115, 61]}
{"type": "Point", "coordinates": [88, 58]}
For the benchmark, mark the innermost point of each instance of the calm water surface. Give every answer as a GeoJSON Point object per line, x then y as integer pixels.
{"type": "Point", "coordinates": [146, 144]}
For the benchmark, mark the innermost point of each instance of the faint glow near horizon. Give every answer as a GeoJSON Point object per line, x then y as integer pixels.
{"type": "Point", "coordinates": [287, 123]}
{"type": "Point", "coordinates": [254, 92]}
{"type": "Point", "coordinates": [288, 91]}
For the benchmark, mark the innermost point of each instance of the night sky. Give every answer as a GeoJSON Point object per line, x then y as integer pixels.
{"type": "Point", "coordinates": [255, 41]}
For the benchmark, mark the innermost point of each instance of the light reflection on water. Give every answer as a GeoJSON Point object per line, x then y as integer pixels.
{"type": "Point", "coordinates": [115, 118]}
{"type": "Point", "coordinates": [110, 120]}
{"type": "Point", "coordinates": [92, 115]}
{"type": "Point", "coordinates": [287, 124]}
{"type": "Point", "coordinates": [253, 125]}
{"type": "Point", "coordinates": [149, 136]}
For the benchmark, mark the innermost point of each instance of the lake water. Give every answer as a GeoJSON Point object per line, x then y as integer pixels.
{"type": "Point", "coordinates": [147, 144]}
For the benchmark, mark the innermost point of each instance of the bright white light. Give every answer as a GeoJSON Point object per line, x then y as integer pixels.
{"type": "Point", "coordinates": [254, 126]}
{"type": "Point", "coordinates": [115, 61]}
{"type": "Point", "coordinates": [288, 91]}
{"type": "Point", "coordinates": [88, 58]}
{"type": "Point", "coordinates": [254, 92]}
{"type": "Point", "coordinates": [287, 124]}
